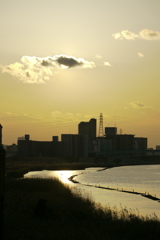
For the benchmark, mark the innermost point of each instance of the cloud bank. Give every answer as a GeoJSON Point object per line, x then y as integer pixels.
{"type": "Point", "coordinates": [145, 34]}
{"type": "Point", "coordinates": [39, 70]}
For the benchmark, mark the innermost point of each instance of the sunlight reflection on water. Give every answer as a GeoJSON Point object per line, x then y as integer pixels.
{"type": "Point", "coordinates": [64, 175]}
{"type": "Point", "coordinates": [123, 177]}
{"type": "Point", "coordinates": [61, 175]}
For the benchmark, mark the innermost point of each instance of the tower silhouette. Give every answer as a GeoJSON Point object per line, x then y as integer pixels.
{"type": "Point", "coordinates": [100, 133]}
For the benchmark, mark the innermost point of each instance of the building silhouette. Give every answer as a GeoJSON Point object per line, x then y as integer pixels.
{"type": "Point", "coordinates": [88, 128]}
{"type": "Point", "coordinates": [110, 131]}
{"type": "Point", "coordinates": [75, 145]}
{"type": "Point", "coordinates": [11, 150]}
{"type": "Point", "coordinates": [30, 148]}
{"type": "Point", "coordinates": [82, 145]}
{"type": "Point", "coordinates": [141, 143]}
{"type": "Point", "coordinates": [71, 145]}
{"type": "Point", "coordinates": [113, 143]}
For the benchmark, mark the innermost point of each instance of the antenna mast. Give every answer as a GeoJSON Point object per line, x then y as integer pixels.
{"type": "Point", "coordinates": [100, 134]}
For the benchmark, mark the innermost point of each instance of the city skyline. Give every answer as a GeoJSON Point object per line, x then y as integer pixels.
{"type": "Point", "coordinates": [63, 62]}
{"type": "Point", "coordinates": [90, 129]}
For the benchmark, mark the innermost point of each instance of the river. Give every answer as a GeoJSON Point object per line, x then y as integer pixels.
{"type": "Point", "coordinates": [124, 181]}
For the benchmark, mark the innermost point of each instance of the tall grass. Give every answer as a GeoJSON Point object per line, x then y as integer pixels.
{"type": "Point", "coordinates": [47, 209]}
{"type": "Point", "coordinates": [17, 167]}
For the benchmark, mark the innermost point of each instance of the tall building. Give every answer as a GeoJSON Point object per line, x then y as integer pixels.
{"type": "Point", "coordinates": [88, 128]}
{"type": "Point", "coordinates": [92, 128]}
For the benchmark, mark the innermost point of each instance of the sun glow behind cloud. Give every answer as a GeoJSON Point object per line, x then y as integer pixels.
{"type": "Point", "coordinates": [63, 66]}
{"type": "Point", "coordinates": [39, 70]}
{"type": "Point", "coordinates": [141, 55]}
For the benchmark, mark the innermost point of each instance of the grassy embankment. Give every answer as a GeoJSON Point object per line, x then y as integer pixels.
{"type": "Point", "coordinates": [17, 167]}
{"type": "Point", "coordinates": [47, 209]}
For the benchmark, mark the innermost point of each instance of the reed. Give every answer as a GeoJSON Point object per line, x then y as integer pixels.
{"type": "Point", "coordinates": [17, 167]}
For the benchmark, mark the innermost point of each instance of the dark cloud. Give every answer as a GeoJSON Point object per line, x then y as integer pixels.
{"type": "Point", "coordinates": [140, 104]}
{"type": "Point", "coordinates": [45, 63]}
{"type": "Point", "coordinates": [27, 74]}
{"type": "Point", "coordinates": [153, 34]}
{"type": "Point", "coordinates": [68, 61]}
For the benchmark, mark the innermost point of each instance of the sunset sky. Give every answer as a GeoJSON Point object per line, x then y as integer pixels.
{"type": "Point", "coordinates": [66, 61]}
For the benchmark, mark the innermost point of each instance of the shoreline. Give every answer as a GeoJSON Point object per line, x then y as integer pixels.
{"type": "Point", "coordinates": [149, 196]}
{"type": "Point", "coordinates": [17, 167]}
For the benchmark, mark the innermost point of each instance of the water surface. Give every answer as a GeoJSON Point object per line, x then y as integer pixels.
{"type": "Point", "coordinates": [143, 179]}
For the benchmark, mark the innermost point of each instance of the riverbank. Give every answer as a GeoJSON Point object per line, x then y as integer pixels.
{"type": "Point", "coordinates": [47, 209]}
{"type": "Point", "coordinates": [17, 167]}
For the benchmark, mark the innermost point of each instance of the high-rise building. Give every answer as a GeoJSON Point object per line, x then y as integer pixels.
{"type": "Point", "coordinates": [92, 128]}
{"type": "Point", "coordinates": [88, 128]}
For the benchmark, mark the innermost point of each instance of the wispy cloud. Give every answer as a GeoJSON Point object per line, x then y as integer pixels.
{"type": "Point", "coordinates": [107, 64]}
{"type": "Point", "coordinates": [137, 104]}
{"type": "Point", "coordinates": [149, 34]}
{"type": "Point", "coordinates": [141, 55]}
{"type": "Point", "coordinates": [19, 115]}
{"type": "Point", "coordinates": [60, 117]}
{"type": "Point", "coordinates": [145, 34]}
{"type": "Point", "coordinates": [99, 56]}
{"type": "Point", "coordinates": [55, 117]}
{"type": "Point", "coordinates": [39, 70]}
{"type": "Point", "coordinates": [125, 34]}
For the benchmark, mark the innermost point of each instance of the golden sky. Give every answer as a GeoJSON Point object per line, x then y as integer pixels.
{"type": "Point", "coordinates": [66, 61]}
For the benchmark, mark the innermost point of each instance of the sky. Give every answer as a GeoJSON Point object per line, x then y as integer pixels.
{"type": "Point", "coordinates": [67, 61]}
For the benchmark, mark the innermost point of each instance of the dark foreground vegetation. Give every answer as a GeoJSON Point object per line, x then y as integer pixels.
{"type": "Point", "coordinates": [37, 209]}
{"type": "Point", "coordinates": [17, 167]}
